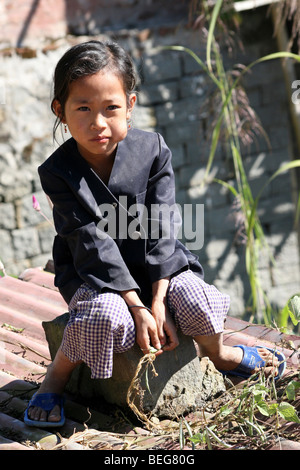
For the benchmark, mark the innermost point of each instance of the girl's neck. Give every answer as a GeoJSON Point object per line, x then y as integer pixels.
{"type": "Point", "coordinates": [103, 167]}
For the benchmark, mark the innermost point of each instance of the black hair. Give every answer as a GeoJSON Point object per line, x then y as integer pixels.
{"type": "Point", "coordinates": [89, 58]}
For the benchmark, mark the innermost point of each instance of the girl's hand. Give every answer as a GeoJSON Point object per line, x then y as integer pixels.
{"type": "Point", "coordinates": [145, 325]}
{"type": "Point", "coordinates": [146, 329]}
{"type": "Point", "coordinates": [165, 325]}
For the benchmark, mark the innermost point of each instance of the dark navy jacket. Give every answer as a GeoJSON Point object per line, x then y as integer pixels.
{"type": "Point", "coordinates": [83, 251]}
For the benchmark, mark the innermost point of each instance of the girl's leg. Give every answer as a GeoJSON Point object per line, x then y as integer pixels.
{"type": "Point", "coordinates": [56, 379]}
{"type": "Point", "coordinates": [200, 308]}
{"type": "Point", "coordinates": [228, 358]}
{"type": "Point", "coordinates": [99, 325]}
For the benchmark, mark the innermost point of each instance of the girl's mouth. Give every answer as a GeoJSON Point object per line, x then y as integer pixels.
{"type": "Point", "coordinates": [100, 139]}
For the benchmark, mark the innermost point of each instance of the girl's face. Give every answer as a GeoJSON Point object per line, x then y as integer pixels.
{"type": "Point", "coordinates": [96, 112]}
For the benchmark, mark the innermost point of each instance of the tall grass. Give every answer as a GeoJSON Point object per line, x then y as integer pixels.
{"type": "Point", "coordinates": [228, 87]}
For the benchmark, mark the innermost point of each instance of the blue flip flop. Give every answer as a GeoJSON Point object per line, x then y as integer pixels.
{"type": "Point", "coordinates": [46, 401]}
{"type": "Point", "coordinates": [252, 360]}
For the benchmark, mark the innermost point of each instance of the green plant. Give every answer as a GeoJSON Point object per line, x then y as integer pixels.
{"type": "Point", "coordinates": [291, 310]}
{"type": "Point", "coordinates": [2, 269]}
{"type": "Point", "coordinates": [251, 417]}
{"type": "Point", "coordinates": [228, 86]}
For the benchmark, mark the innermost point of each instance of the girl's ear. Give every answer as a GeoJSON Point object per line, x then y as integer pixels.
{"type": "Point", "coordinates": [131, 101]}
{"type": "Point", "coordinates": [58, 110]}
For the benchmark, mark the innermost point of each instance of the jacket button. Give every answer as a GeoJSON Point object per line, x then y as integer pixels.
{"type": "Point", "coordinates": [136, 235]}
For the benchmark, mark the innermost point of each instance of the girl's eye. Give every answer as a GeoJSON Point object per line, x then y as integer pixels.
{"type": "Point", "coordinates": [112, 107]}
{"type": "Point", "coordinates": [83, 108]}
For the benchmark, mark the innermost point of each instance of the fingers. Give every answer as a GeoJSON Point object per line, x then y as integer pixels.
{"type": "Point", "coordinates": [172, 343]}
{"type": "Point", "coordinates": [148, 338]}
{"type": "Point", "coordinates": [156, 331]}
{"type": "Point", "coordinates": [162, 338]}
{"type": "Point", "coordinates": [158, 347]}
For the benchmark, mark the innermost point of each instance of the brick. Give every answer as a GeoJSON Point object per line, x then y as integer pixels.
{"type": "Point", "coordinates": [178, 156]}
{"type": "Point", "coordinates": [179, 133]}
{"type": "Point", "coordinates": [144, 118]}
{"type": "Point", "coordinates": [193, 86]}
{"type": "Point", "coordinates": [154, 67]}
{"type": "Point", "coordinates": [265, 73]}
{"type": "Point", "coordinates": [7, 254]}
{"type": "Point", "coordinates": [158, 93]}
{"type": "Point", "coordinates": [190, 64]}
{"type": "Point", "coordinates": [274, 209]}
{"type": "Point", "coordinates": [7, 216]}
{"type": "Point", "coordinates": [221, 220]}
{"type": "Point", "coordinates": [187, 110]}
{"type": "Point", "coordinates": [25, 243]}
{"type": "Point", "coordinates": [193, 175]}
{"type": "Point", "coordinates": [29, 216]}
{"type": "Point", "coordinates": [18, 20]}
{"type": "Point", "coordinates": [212, 195]}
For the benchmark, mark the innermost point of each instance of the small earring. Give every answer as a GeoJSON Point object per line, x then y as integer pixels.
{"type": "Point", "coordinates": [66, 128]}
{"type": "Point", "coordinates": [128, 123]}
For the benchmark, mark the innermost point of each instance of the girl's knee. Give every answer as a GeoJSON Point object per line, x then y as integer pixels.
{"type": "Point", "coordinates": [113, 310]}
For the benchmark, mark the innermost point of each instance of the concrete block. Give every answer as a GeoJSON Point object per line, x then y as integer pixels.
{"type": "Point", "coordinates": [178, 156]}
{"type": "Point", "coordinates": [180, 383]}
{"type": "Point", "coordinates": [271, 210]}
{"type": "Point", "coordinates": [176, 133]}
{"type": "Point", "coordinates": [158, 93]}
{"type": "Point", "coordinates": [7, 216]}
{"type": "Point", "coordinates": [190, 65]}
{"type": "Point", "coordinates": [144, 118]}
{"type": "Point", "coordinates": [160, 67]}
{"type": "Point", "coordinates": [187, 110]}
{"type": "Point", "coordinates": [25, 243]}
{"type": "Point", "coordinates": [193, 86]}
{"type": "Point", "coordinates": [6, 255]}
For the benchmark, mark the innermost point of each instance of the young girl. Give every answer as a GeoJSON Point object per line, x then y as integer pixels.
{"type": "Point", "coordinates": [110, 277]}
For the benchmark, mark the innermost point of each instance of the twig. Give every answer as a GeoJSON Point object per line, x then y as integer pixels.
{"type": "Point", "coordinates": [134, 388]}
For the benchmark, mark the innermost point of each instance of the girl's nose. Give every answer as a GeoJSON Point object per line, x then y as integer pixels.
{"type": "Point", "coordinates": [98, 122]}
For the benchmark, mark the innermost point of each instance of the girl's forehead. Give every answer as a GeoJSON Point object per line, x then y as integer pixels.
{"type": "Point", "coordinates": [103, 82]}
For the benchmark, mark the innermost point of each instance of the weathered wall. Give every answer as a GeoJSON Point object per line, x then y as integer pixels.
{"type": "Point", "coordinates": [171, 97]}
{"type": "Point", "coordinates": [26, 22]}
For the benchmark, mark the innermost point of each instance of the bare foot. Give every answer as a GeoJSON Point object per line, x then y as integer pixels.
{"type": "Point", "coordinates": [55, 381]}
{"type": "Point", "coordinates": [38, 414]}
{"type": "Point", "coordinates": [232, 357]}
{"type": "Point", "coordinates": [271, 367]}
{"type": "Point", "coordinates": [227, 358]}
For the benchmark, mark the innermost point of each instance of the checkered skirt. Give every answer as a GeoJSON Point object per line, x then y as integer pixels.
{"type": "Point", "coordinates": [101, 324]}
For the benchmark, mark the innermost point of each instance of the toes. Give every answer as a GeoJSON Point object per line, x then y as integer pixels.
{"type": "Point", "coordinates": [271, 367]}
{"type": "Point", "coordinates": [38, 414]}
{"type": "Point", "coordinates": [54, 414]}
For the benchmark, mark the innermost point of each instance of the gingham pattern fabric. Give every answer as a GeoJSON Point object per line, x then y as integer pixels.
{"type": "Point", "coordinates": [101, 324]}
{"type": "Point", "coordinates": [198, 308]}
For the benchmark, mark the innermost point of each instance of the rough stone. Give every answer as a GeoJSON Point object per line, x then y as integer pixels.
{"type": "Point", "coordinates": [179, 383]}
{"type": "Point", "coordinates": [25, 242]}
{"type": "Point", "coordinates": [158, 93]}
{"type": "Point", "coordinates": [6, 255]}
{"type": "Point", "coordinates": [154, 69]}
{"type": "Point", "coordinates": [7, 216]}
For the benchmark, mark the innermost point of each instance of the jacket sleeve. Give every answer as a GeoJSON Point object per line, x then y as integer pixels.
{"type": "Point", "coordinates": [96, 256]}
{"type": "Point", "coordinates": [163, 256]}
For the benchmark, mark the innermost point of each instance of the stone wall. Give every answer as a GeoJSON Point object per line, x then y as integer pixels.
{"type": "Point", "coordinates": [22, 22]}
{"type": "Point", "coordinates": [171, 100]}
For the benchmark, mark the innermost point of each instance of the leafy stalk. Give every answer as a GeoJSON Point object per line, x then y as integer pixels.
{"type": "Point", "coordinates": [254, 234]}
